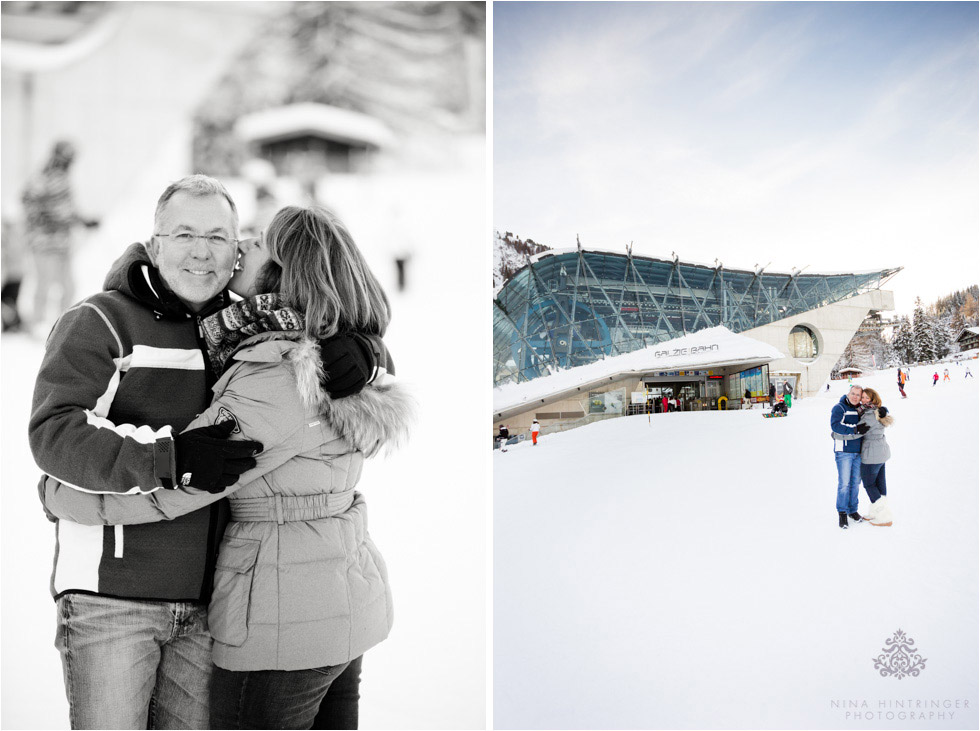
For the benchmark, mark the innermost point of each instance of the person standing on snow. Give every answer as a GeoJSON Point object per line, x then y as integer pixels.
{"type": "Point", "coordinates": [968, 373]}
{"type": "Point", "coordinates": [503, 434]}
{"type": "Point", "coordinates": [935, 378]}
{"type": "Point", "coordinates": [50, 212]}
{"type": "Point", "coordinates": [844, 425]}
{"type": "Point", "coordinates": [901, 382]}
{"type": "Point", "coordinates": [874, 454]}
{"type": "Point", "coordinates": [945, 374]}
{"type": "Point", "coordinates": [535, 428]}
{"type": "Point", "coordinates": [772, 395]}
{"type": "Point", "coordinates": [100, 427]}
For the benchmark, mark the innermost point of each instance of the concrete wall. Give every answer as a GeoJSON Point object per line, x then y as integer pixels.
{"type": "Point", "coordinates": [569, 407]}
{"type": "Point", "coordinates": [834, 326]}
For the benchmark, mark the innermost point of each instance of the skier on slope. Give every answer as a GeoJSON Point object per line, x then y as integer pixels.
{"type": "Point", "coordinates": [935, 378]}
{"type": "Point", "coordinates": [968, 373]}
{"type": "Point", "coordinates": [945, 374]}
{"type": "Point", "coordinates": [535, 428]}
{"type": "Point", "coordinates": [901, 382]}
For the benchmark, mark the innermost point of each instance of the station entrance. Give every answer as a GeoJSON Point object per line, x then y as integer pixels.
{"type": "Point", "coordinates": [683, 395]}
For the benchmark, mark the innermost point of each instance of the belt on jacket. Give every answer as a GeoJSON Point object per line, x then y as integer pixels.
{"type": "Point", "coordinates": [290, 508]}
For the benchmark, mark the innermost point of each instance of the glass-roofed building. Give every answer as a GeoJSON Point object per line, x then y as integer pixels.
{"type": "Point", "coordinates": [575, 306]}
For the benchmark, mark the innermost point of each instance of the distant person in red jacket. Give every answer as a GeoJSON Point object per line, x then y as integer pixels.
{"type": "Point", "coordinates": [935, 378]}
{"type": "Point", "coordinates": [664, 402]}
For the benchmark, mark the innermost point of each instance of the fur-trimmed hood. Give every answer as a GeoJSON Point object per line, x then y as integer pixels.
{"type": "Point", "coordinates": [887, 420]}
{"type": "Point", "coordinates": [379, 416]}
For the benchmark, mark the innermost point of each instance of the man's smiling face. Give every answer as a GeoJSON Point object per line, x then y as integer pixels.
{"type": "Point", "coordinates": [198, 271]}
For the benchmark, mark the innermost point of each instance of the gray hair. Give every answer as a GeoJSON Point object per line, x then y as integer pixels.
{"type": "Point", "coordinates": [199, 186]}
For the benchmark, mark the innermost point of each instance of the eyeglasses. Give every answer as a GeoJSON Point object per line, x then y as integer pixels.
{"type": "Point", "coordinates": [185, 238]}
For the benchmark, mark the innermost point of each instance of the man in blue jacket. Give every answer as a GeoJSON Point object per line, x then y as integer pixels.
{"type": "Point", "coordinates": [844, 422]}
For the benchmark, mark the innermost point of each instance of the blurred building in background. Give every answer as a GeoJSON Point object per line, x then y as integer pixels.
{"type": "Point", "coordinates": [375, 109]}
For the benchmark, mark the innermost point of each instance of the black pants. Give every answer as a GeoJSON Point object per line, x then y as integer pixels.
{"type": "Point", "coordinates": [293, 699]}
{"type": "Point", "coordinates": [338, 709]}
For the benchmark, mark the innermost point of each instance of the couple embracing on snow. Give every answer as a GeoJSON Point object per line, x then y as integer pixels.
{"type": "Point", "coordinates": [857, 424]}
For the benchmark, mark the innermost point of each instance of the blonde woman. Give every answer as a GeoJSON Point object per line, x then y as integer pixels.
{"type": "Point", "coordinates": [874, 453]}
{"type": "Point", "coordinates": [300, 590]}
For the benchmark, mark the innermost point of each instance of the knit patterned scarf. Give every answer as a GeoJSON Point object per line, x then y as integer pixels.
{"type": "Point", "coordinates": [225, 330]}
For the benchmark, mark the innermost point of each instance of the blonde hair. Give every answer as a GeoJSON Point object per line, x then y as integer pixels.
{"type": "Point", "coordinates": [873, 395]}
{"type": "Point", "coordinates": [318, 269]}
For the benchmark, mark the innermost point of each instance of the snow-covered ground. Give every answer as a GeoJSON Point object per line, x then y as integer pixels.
{"type": "Point", "coordinates": [428, 503]}
{"type": "Point", "coordinates": [687, 571]}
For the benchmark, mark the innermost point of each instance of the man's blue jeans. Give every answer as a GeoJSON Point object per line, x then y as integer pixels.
{"type": "Point", "coordinates": [848, 480]}
{"type": "Point", "coordinates": [261, 699]}
{"type": "Point", "coordinates": [134, 664]}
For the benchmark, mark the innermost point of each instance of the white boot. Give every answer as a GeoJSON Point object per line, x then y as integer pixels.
{"type": "Point", "coordinates": [872, 511]}
{"type": "Point", "coordinates": [882, 512]}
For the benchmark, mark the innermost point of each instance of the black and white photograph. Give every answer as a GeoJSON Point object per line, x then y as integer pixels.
{"type": "Point", "coordinates": [240, 248]}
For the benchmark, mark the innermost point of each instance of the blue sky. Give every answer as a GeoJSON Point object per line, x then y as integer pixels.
{"type": "Point", "coordinates": [842, 136]}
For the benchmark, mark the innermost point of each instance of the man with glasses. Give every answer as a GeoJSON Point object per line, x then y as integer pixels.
{"type": "Point", "coordinates": [123, 373]}
{"type": "Point", "coordinates": [846, 431]}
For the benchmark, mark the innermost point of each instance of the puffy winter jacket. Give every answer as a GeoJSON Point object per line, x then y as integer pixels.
{"type": "Point", "coordinates": [874, 447]}
{"type": "Point", "coordinates": [843, 419]}
{"type": "Point", "coordinates": [299, 583]}
{"type": "Point", "coordinates": [121, 370]}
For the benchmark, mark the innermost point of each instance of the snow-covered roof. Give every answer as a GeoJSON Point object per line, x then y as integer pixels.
{"type": "Point", "coordinates": [711, 347]}
{"type": "Point", "coordinates": [322, 120]}
{"type": "Point", "coordinates": [572, 250]}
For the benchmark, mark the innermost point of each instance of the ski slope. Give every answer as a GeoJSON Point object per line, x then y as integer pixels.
{"type": "Point", "coordinates": [687, 571]}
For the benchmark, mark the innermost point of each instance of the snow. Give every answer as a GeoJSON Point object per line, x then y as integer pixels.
{"type": "Point", "coordinates": [687, 571]}
{"type": "Point", "coordinates": [304, 118]}
{"type": "Point", "coordinates": [732, 349]}
{"type": "Point", "coordinates": [427, 522]}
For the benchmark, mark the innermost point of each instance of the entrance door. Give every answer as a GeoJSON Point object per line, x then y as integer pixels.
{"type": "Point", "coordinates": [714, 393]}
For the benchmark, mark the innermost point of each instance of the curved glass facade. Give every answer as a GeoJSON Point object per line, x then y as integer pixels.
{"type": "Point", "coordinates": [570, 308]}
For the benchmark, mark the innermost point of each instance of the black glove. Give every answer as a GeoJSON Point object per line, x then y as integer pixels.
{"type": "Point", "coordinates": [348, 362]}
{"type": "Point", "coordinates": [208, 460]}
{"type": "Point", "coordinates": [882, 412]}
{"type": "Point", "coordinates": [861, 429]}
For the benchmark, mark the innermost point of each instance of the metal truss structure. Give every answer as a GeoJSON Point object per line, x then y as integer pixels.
{"type": "Point", "coordinates": [573, 307]}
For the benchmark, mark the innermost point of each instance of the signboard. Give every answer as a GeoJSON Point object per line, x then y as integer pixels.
{"type": "Point", "coordinates": [638, 397]}
{"type": "Point", "coordinates": [607, 402]}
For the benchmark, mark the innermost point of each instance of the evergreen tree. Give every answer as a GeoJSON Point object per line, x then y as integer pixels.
{"type": "Point", "coordinates": [902, 341]}
{"type": "Point", "coordinates": [940, 335]}
{"type": "Point", "coordinates": [922, 334]}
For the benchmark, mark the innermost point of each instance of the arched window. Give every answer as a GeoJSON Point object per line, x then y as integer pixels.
{"type": "Point", "coordinates": [803, 343]}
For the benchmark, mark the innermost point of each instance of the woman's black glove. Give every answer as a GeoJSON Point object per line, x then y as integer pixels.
{"type": "Point", "coordinates": [882, 412]}
{"type": "Point", "coordinates": [208, 460]}
{"type": "Point", "coordinates": [861, 429]}
{"type": "Point", "coordinates": [349, 363]}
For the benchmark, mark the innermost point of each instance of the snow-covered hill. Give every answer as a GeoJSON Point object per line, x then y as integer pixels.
{"type": "Point", "coordinates": [510, 253]}
{"type": "Point", "coordinates": [687, 571]}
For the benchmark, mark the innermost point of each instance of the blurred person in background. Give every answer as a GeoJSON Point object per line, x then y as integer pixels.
{"type": "Point", "coordinates": [50, 218]}
{"type": "Point", "coordinates": [122, 378]}
{"type": "Point", "coordinates": [12, 266]}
